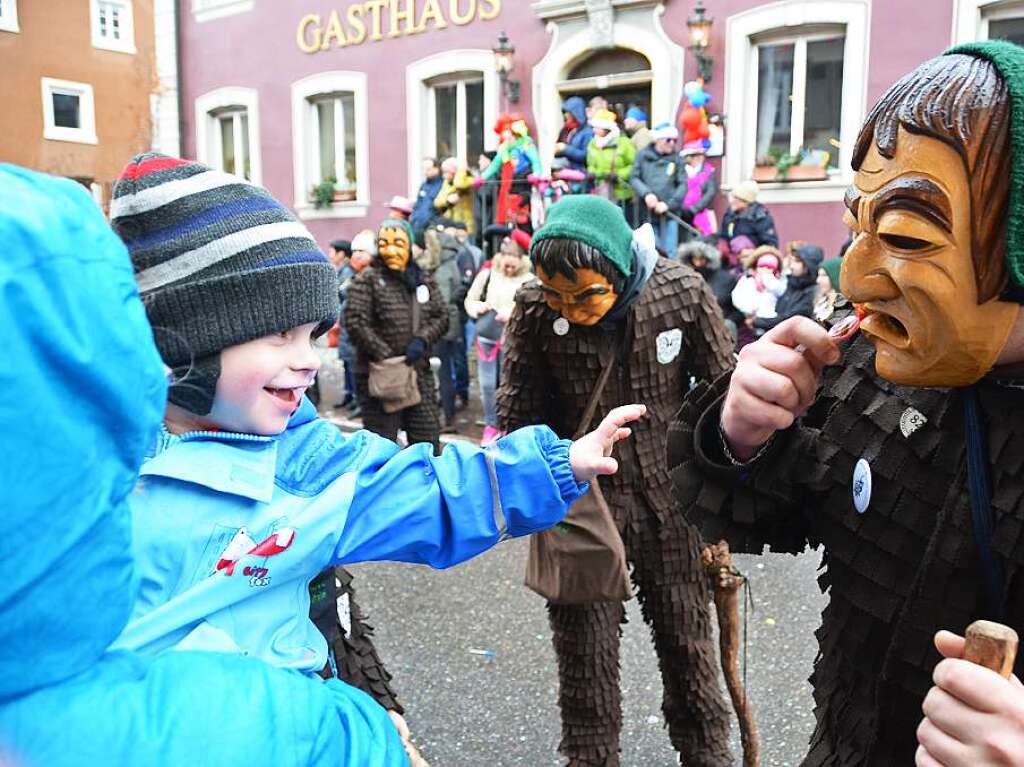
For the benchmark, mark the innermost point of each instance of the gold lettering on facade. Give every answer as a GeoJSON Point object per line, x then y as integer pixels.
{"type": "Point", "coordinates": [333, 31]}
{"type": "Point", "coordinates": [373, 7]}
{"type": "Point", "coordinates": [461, 19]}
{"type": "Point", "coordinates": [355, 21]}
{"type": "Point", "coordinates": [407, 14]}
{"type": "Point", "coordinates": [307, 45]}
{"type": "Point", "coordinates": [432, 11]}
{"type": "Point", "coordinates": [375, 19]}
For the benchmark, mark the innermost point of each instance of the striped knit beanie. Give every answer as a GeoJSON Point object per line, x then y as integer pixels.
{"type": "Point", "coordinates": [218, 262]}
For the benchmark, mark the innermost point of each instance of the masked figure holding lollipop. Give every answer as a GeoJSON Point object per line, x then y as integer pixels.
{"type": "Point", "coordinates": [901, 452]}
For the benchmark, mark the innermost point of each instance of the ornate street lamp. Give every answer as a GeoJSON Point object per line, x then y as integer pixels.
{"type": "Point", "coordinates": [504, 60]}
{"type": "Point", "coordinates": [699, 25]}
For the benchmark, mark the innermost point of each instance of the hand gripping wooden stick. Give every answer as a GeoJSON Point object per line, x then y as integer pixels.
{"type": "Point", "coordinates": [991, 645]}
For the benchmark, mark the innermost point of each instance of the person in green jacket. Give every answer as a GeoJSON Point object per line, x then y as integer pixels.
{"type": "Point", "coordinates": [610, 157]}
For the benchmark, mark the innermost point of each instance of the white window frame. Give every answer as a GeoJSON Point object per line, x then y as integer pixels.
{"type": "Point", "coordinates": [208, 10]}
{"type": "Point", "coordinates": [420, 107]}
{"type": "Point", "coordinates": [461, 113]}
{"type": "Point", "coordinates": [971, 17]}
{"type": "Point", "coordinates": [778, 22]}
{"type": "Point", "coordinates": [86, 133]}
{"type": "Point", "coordinates": [9, 16]}
{"type": "Point", "coordinates": [127, 42]}
{"type": "Point", "coordinates": [798, 96]}
{"type": "Point", "coordinates": [305, 142]}
{"type": "Point", "coordinates": [340, 147]}
{"type": "Point", "coordinates": [209, 109]}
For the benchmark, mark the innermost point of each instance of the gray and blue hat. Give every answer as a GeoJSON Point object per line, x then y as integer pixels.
{"type": "Point", "coordinates": [218, 262]}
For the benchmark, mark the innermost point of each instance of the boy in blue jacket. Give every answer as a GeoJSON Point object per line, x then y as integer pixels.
{"type": "Point", "coordinates": [247, 494]}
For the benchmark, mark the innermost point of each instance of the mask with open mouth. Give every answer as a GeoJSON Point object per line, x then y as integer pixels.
{"type": "Point", "coordinates": [923, 261]}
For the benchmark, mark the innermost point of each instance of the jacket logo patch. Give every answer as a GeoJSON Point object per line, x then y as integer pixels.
{"type": "Point", "coordinates": [243, 545]}
{"type": "Point", "coordinates": [422, 293]}
{"type": "Point", "coordinates": [670, 342]}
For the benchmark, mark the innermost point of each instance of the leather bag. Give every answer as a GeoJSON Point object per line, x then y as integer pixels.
{"type": "Point", "coordinates": [581, 559]}
{"type": "Point", "coordinates": [393, 381]}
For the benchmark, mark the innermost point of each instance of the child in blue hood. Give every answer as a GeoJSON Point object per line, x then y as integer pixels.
{"type": "Point", "coordinates": [91, 391]}
{"type": "Point", "coordinates": [247, 494]}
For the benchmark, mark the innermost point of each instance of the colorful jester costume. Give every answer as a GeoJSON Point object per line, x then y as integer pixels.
{"type": "Point", "coordinates": [665, 326]}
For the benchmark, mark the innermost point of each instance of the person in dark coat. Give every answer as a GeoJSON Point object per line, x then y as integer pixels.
{"type": "Point", "coordinates": [574, 137]}
{"type": "Point", "coordinates": [379, 319]}
{"type": "Point", "coordinates": [659, 181]}
{"type": "Point", "coordinates": [423, 208]}
{"type": "Point", "coordinates": [900, 451]}
{"type": "Point", "coordinates": [801, 288]}
{"type": "Point", "coordinates": [746, 217]}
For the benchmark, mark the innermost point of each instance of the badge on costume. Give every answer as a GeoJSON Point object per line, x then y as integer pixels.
{"type": "Point", "coordinates": [911, 421]}
{"type": "Point", "coordinates": [561, 326]}
{"type": "Point", "coordinates": [422, 294]}
{"type": "Point", "coordinates": [669, 344]}
{"type": "Point", "coordinates": [670, 169]}
{"type": "Point", "coordinates": [861, 486]}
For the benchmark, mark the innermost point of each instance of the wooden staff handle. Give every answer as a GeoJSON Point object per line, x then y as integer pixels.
{"type": "Point", "coordinates": [991, 645]}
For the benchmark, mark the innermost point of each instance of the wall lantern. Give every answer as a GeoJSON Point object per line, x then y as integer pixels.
{"type": "Point", "coordinates": [699, 25]}
{"type": "Point", "coordinates": [504, 60]}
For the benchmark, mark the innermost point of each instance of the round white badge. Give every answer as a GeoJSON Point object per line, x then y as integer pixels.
{"type": "Point", "coordinates": [561, 326]}
{"type": "Point", "coordinates": [861, 486]}
{"type": "Point", "coordinates": [422, 293]}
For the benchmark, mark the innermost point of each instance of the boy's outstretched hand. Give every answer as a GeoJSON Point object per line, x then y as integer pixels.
{"type": "Point", "coordinates": [590, 455]}
{"type": "Point", "coordinates": [973, 717]}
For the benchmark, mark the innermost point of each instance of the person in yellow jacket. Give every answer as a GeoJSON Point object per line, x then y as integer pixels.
{"type": "Point", "coordinates": [455, 200]}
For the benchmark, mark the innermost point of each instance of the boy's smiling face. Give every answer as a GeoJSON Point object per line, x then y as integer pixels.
{"type": "Point", "coordinates": [262, 381]}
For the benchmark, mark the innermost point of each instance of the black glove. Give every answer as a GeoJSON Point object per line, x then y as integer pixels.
{"type": "Point", "coordinates": [415, 350]}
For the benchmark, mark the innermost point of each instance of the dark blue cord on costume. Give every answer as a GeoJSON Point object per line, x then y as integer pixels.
{"type": "Point", "coordinates": [982, 514]}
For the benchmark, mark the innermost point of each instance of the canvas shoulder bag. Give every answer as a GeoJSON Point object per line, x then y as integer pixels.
{"type": "Point", "coordinates": [392, 380]}
{"type": "Point", "coordinates": [582, 559]}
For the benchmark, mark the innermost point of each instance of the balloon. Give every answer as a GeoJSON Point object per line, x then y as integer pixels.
{"type": "Point", "coordinates": [695, 94]}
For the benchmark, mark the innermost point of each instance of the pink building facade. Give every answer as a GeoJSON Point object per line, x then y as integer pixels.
{"type": "Point", "coordinates": [342, 99]}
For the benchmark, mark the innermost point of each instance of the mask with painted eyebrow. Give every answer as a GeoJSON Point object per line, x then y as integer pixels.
{"type": "Point", "coordinates": [583, 302]}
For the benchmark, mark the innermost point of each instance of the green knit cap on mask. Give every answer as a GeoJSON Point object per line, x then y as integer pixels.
{"type": "Point", "coordinates": [1008, 59]}
{"type": "Point", "coordinates": [595, 221]}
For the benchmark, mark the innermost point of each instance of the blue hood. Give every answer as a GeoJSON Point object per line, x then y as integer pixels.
{"type": "Point", "coordinates": [85, 393]}
{"type": "Point", "coordinates": [577, 107]}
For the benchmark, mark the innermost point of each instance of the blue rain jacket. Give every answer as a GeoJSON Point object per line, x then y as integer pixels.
{"type": "Point", "coordinates": [231, 528]}
{"type": "Point", "coordinates": [84, 398]}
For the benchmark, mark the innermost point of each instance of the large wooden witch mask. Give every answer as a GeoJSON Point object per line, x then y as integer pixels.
{"type": "Point", "coordinates": [928, 216]}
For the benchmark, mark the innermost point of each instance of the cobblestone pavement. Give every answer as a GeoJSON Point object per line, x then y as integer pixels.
{"type": "Point", "coordinates": [473, 664]}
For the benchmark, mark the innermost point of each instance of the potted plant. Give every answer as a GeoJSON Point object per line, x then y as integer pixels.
{"type": "Point", "coordinates": [323, 193]}
{"type": "Point", "coordinates": [792, 166]}
{"type": "Point", "coordinates": [328, 192]}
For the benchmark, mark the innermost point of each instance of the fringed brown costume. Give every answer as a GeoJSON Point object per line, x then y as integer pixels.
{"type": "Point", "coordinates": [378, 318]}
{"type": "Point", "coordinates": [673, 331]}
{"type": "Point", "coordinates": [897, 573]}
{"type": "Point", "coordinates": [349, 640]}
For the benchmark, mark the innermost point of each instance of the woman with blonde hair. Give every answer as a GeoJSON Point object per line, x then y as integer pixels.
{"type": "Point", "coordinates": [489, 302]}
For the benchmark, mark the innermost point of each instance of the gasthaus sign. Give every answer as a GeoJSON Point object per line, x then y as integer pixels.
{"type": "Point", "coordinates": [375, 20]}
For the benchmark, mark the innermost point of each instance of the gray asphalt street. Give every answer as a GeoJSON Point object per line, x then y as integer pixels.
{"type": "Point", "coordinates": [473, 664]}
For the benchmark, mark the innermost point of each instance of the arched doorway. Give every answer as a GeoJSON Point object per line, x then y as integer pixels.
{"type": "Point", "coordinates": [634, 61]}
{"type": "Point", "coordinates": [621, 76]}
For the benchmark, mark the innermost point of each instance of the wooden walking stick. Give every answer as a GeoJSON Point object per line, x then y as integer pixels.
{"type": "Point", "coordinates": [726, 582]}
{"type": "Point", "coordinates": [991, 645]}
